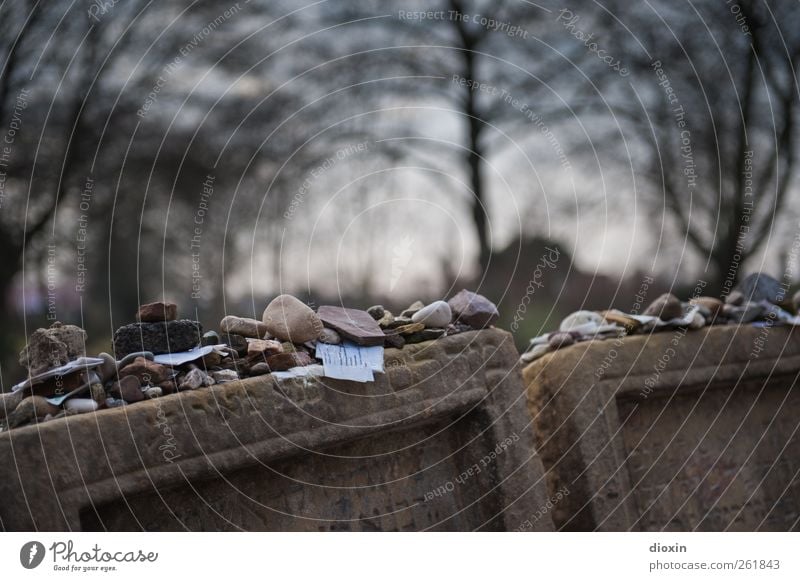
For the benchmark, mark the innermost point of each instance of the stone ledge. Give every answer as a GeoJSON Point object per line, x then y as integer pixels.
{"type": "Point", "coordinates": [66, 466]}
{"type": "Point", "coordinates": [598, 432]}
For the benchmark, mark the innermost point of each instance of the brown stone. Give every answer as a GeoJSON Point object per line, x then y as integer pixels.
{"type": "Point", "coordinates": [289, 319]}
{"type": "Point", "coordinates": [157, 312]}
{"type": "Point", "coordinates": [285, 361]}
{"type": "Point", "coordinates": [129, 389]}
{"type": "Point", "coordinates": [353, 324]}
{"type": "Point", "coordinates": [147, 372]}
{"type": "Point", "coordinates": [630, 324]}
{"type": "Point", "coordinates": [473, 309]}
{"type": "Point", "coordinates": [244, 327]}
{"type": "Point", "coordinates": [666, 307]}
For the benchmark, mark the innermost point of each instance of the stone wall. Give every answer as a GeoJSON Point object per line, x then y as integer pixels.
{"type": "Point", "coordinates": [291, 455]}
{"type": "Point", "coordinates": [672, 431]}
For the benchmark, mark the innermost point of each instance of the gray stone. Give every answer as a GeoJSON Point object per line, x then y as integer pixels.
{"type": "Point", "coordinates": [412, 309]}
{"type": "Point", "coordinates": [761, 287]}
{"type": "Point", "coordinates": [166, 337]}
{"type": "Point", "coordinates": [377, 312]}
{"type": "Point", "coordinates": [211, 338]}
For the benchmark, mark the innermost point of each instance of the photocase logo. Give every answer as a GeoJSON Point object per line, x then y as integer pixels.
{"type": "Point", "coordinates": [401, 256]}
{"type": "Point", "coordinates": [31, 554]}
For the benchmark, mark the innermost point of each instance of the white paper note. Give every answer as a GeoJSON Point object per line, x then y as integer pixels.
{"type": "Point", "coordinates": [350, 361]}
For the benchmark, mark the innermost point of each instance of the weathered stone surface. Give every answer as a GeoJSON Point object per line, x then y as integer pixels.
{"type": "Point", "coordinates": [353, 324]}
{"type": "Point", "coordinates": [157, 312]}
{"type": "Point", "coordinates": [289, 319]}
{"type": "Point", "coordinates": [473, 309]}
{"type": "Point", "coordinates": [307, 454]}
{"type": "Point", "coordinates": [244, 327]}
{"type": "Point", "coordinates": [561, 339]}
{"type": "Point", "coordinates": [51, 347]}
{"type": "Point", "coordinates": [377, 312]}
{"type": "Point", "coordinates": [169, 337]}
{"type": "Point", "coordinates": [672, 431]}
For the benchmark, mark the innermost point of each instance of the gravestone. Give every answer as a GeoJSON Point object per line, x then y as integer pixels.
{"type": "Point", "coordinates": [304, 454]}
{"type": "Point", "coordinates": [677, 431]}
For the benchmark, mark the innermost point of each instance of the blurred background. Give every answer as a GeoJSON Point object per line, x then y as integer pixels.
{"type": "Point", "coordinates": [549, 156]}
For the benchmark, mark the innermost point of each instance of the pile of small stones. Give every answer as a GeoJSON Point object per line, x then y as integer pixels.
{"type": "Point", "coordinates": [63, 381]}
{"type": "Point", "coordinates": [758, 299]}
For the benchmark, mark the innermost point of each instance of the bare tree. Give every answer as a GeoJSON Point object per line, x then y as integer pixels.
{"type": "Point", "coordinates": [713, 109]}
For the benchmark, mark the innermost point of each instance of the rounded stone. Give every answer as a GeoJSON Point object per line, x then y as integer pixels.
{"type": "Point", "coordinates": [289, 319]}
{"type": "Point", "coordinates": [377, 312]}
{"type": "Point", "coordinates": [436, 315]}
{"type": "Point", "coordinates": [108, 369]}
{"type": "Point", "coordinates": [243, 326]}
{"type": "Point", "coordinates": [81, 405]}
{"type": "Point", "coordinates": [666, 307]}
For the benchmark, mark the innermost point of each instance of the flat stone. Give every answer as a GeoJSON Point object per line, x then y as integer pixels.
{"type": "Point", "coordinates": [243, 326]}
{"type": "Point", "coordinates": [289, 319]}
{"type": "Point", "coordinates": [423, 336]}
{"type": "Point", "coordinates": [146, 372]}
{"type": "Point", "coordinates": [761, 287]}
{"type": "Point", "coordinates": [330, 337]}
{"type": "Point", "coordinates": [397, 322]}
{"type": "Point", "coordinates": [666, 307]}
{"type": "Point", "coordinates": [413, 309]}
{"type": "Point", "coordinates": [436, 315]}
{"type": "Point", "coordinates": [353, 324]}
{"type": "Point", "coordinates": [408, 329]}
{"type": "Point", "coordinates": [285, 361]}
{"type": "Point", "coordinates": [52, 347]}
{"type": "Point", "coordinates": [158, 338]}
{"type": "Point", "coordinates": [473, 309]}
{"type": "Point", "coordinates": [224, 375]}
{"type": "Point", "coordinates": [157, 312]}
{"type": "Point", "coordinates": [630, 324]}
